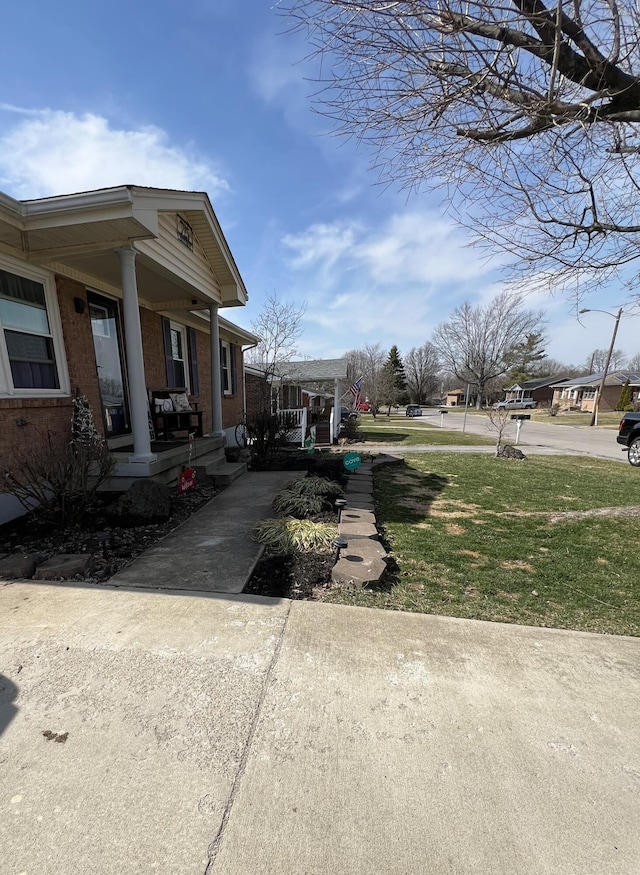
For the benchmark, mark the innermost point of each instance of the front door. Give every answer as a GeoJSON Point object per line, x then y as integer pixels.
{"type": "Point", "coordinates": [105, 326]}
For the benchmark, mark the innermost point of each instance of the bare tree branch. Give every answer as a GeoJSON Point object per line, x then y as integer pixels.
{"type": "Point", "coordinates": [528, 117]}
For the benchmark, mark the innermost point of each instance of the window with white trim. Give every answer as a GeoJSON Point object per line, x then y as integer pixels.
{"type": "Point", "coordinates": [31, 349]}
{"type": "Point", "coordinates": [178, 335]}
{"type": "Point", "coordinates": [225, 367]}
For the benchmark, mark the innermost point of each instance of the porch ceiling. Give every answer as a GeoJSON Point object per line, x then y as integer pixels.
{"type": "Point", "coordinates": [155, 285]}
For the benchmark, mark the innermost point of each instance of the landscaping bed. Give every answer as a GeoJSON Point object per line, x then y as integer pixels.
{"type": "Point", "coordinates": [111, 546]}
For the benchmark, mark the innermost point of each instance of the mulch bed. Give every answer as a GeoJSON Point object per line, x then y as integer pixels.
{"type": "Point", "coordinates": [302, 576]}
{"type": "Point", "coordinates": [112, 547]}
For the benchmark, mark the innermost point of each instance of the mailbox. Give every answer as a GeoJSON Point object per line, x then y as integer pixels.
{"type": "Point", "coordinates": [520, 416]}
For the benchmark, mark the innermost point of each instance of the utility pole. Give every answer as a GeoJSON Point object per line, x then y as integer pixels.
{"type": "Point", "coordinates": [600, 389]}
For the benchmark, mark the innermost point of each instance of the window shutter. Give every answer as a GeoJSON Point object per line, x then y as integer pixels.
{"type": "Point", "coordinates": [232, 355]}
{"type": "Point", "coordinates": [168, 358]}
{"type": "Point", "coordinates": [221, 367]}
{"type": "Point", "coordinates": [193, 362]}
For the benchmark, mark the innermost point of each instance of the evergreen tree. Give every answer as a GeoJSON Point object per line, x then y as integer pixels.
{"type": "Point", "coordinates": [626, 398]}
{"type": "Point", "coordinates": [526, 357]}
{"type": "Point", "coordinates": [394, 380]}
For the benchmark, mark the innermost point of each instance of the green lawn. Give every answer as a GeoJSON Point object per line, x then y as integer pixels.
{"type": "Point", "coordinates": [476, 536]}
{"type": "Point", "coordinates": [606, 420]}
{"type": "Point", "coordinates": [401, 431]}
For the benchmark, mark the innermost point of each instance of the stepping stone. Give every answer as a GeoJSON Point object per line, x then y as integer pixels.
{"type": "Point", "coordinates": [358, 530]}
{"type": "Point", "coordinates": [357, 515]}
{"type": "Point", "coordinates": [361, 502]}
{"type": "Point", "coordinates": [358, 487]}
{"type": "Point", "coordinates": [64, 566]}
{"type": "Point", "coordinates": [15, 566]}
{"type": "Point", "coordinates": [362, 562]}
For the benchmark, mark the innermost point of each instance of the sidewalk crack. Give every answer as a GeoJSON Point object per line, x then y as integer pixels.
{"type": "Point", "coordinates": [214, 847]}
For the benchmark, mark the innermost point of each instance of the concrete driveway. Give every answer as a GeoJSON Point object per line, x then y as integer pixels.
{"type": "Point", "coordinates": [230, 734]}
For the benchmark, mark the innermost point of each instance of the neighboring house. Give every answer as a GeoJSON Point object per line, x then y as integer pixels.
{"type": "Point", "coordinates": [455, 398]}
{"type": "Point", "coordinates": [578, 393]}
{"type": "Point", "coordinates": [539, 390]}
{"type": "Point", "coordinates": [312, 390]}
{"type": "Point", "coordinates": [115, 294]}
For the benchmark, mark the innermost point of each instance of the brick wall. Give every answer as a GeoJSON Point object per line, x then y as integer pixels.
{"type": "Point", "coordinates": [55, 413]}
{"type": "Point", "coordinates": [42, 414]}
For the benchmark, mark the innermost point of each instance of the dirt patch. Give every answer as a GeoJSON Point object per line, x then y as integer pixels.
{"type": "Point", "coordinates": [518, 565]}
{"type": "Point", "coordinates": [454, 529]}
{"type": "Point", "coordinates": [302, 576]}
{"type": "Point", "coordinates": [567, 516]}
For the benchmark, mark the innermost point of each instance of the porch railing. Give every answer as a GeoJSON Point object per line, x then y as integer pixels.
{"type": "Point", "coordinates": [299, 431]}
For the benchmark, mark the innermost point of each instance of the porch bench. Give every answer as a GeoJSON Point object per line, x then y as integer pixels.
{"type": "Point", "coordinates": [166, 422]}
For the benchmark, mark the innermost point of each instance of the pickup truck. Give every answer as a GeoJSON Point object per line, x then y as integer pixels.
{"type": "Point", "coordinates": [513, 404]}
{"type": "Point", "coordinates": [629, 436]}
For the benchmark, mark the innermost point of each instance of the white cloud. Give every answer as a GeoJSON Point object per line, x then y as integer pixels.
{"type": "Point", "coordinates": [48, 152]}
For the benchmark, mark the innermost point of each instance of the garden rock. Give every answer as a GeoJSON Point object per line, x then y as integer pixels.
{"type": "Point", "coordinates": [65, 566]}
{"type": "Point", "coordinates": [508, 452]}
{"type": "Point", "coordinates": [15, 566]}
{"type": "Point", "coordinates": [146, 501]}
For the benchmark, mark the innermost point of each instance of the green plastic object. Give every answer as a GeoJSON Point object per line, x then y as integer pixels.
{"type": "Point", "coordinates": [352, 461]}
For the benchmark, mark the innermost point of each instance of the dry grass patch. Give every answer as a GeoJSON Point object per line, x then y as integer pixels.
{"type": "Point", "coordinates": [518, 565]}
{"type": "Point", "coordinates": [454, 529]}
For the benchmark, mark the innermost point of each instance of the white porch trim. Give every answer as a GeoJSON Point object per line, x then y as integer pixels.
{"type": "Point", "coordinates": [135, 360]}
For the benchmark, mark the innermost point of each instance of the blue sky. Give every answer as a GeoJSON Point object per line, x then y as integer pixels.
{"type": "Point", "coordinates": [211, 95]}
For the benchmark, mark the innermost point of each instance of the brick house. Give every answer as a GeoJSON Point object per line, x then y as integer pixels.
{"type": "Point", "coordinates": [539, 390]}
{"type": "Point", "coordinates": [312, 388]}
{"type": "Point", "coordinates": [579, 393]}
{"type": "Point", "coordinates": [115, 294]}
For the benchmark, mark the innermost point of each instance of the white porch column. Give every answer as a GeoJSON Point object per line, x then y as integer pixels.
{"type": "Point", "coordinates": [216, 373]}
{"type": "Point", "coordinates": [337, 395]}
{"type": "Point", "coordinates": [135, 361]}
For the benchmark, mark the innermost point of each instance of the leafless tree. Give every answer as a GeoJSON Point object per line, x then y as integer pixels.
{"type": "Point", "coordinates": [633, 365]}
{"type": "Point", "coordinates": [477, 343]}
{"type": "Point", "coordinates": [422, 366]}
{"type": "Point", "coordinates": [527, 110]}
{"type": "Point", "coordinates": [498, 421]}
{"type": "Point", "coordinates": [279, 326]}
{"type": "Point", "coordinates": [553, 368]}
{"type": "Point", "coordinates": [596, 361]}
{"type": "Point", "coordinates": [368, 363]}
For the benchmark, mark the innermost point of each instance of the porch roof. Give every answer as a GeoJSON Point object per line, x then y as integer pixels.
{"type": "Point", "coordinates": [78, 235]}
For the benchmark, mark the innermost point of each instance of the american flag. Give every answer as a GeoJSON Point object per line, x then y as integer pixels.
{"type": "Point", "coordinates": [355, 391]}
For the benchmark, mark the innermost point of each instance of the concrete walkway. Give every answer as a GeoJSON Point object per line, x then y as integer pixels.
{"type": "Point", "coordinates": [213, 550]}
{"type": "Point", "coordinates": [244, 736]}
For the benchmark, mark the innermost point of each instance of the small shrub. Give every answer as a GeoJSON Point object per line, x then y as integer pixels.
{"type": "Point", "coordinates": [315, 486]}
{"type": "Point", "coordinates": [268, 432]}
{"type": "Point", "coordinates": [57, 479]}
{"type": "Point", "coordinates": [297, 504]}
{"type": "Point", "coordinates": [350, 429]}
{"type": "Point", "coordinates": [287, 535]}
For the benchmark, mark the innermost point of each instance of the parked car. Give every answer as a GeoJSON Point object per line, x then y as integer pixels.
{"type": "Point", "coordinates": [513, 404]}
{"type": "Point", "coordinates": [629, 436]}
{"type": "Point", "coordinates": [346, 414]}
{"type": "Point", "coordinates": [413, 410]}
{"type": "Point", "coordinates": [365, 407]}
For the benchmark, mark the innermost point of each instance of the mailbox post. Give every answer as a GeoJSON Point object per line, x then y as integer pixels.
{"type": "Point", "coordinates": [443, 413]}
{"type": "Point", "coordinates": [519, 418]}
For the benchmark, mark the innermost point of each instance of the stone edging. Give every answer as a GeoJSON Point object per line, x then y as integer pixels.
{"type": "Point", "coordinates": [364, 560]}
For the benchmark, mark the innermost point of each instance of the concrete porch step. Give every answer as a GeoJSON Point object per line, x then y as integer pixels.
{"type": "Point", "coordinates": [214, 467]}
